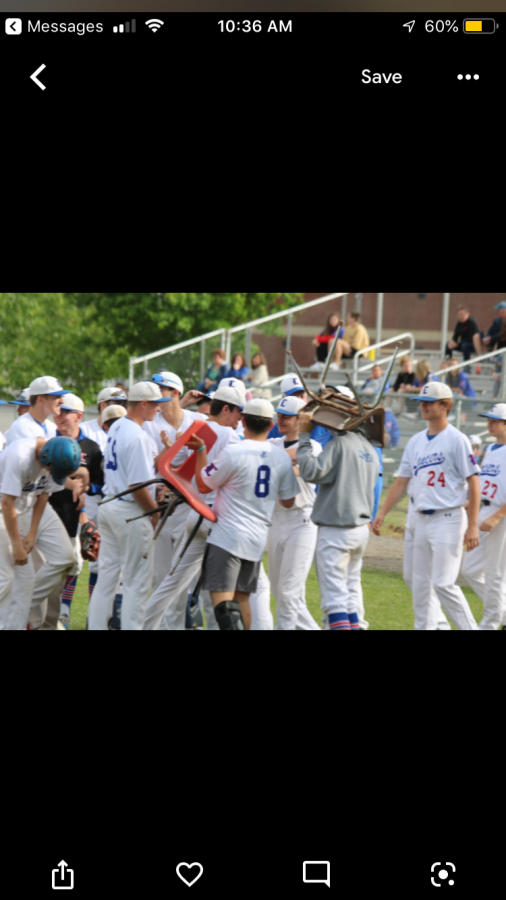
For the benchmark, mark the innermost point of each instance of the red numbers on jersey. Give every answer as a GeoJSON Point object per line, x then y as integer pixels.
{"type": "Point", "coordinates": [432, 478]}
{"type": "Point", "coordinates": [493, 489]}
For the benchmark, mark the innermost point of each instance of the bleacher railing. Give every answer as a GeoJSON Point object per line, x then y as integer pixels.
{"type": "Point", "coordinates": [135, 360]}
{"type": "Point", "coordinates": [368, 350]}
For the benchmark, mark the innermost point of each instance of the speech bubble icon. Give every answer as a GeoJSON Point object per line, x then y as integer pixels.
{"type": "Point", "coordinates": [316, 872]}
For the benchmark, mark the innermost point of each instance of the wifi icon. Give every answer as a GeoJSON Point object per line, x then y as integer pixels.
{"type": "Point", "coordinates": [154, 24]}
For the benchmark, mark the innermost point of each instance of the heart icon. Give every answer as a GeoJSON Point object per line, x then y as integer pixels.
{"type": "Point", "coordinates": [189, 867]}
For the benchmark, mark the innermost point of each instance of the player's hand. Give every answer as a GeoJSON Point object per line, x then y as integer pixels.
{"type": "Point", "coordinates": [305, 423]}
{"type": "Point", "coordinates": [166, 441]}
{"type": "Point", "coordinates": [195, 443]}
{"type": "Point", "coordinates": [378, 524]}
{"type": "Point", "coordinates": [472, 537]}
{"type": "Point", "coordinates": [19, 554]}
{"type": "Point", "coordinates": [78, 488]}
{"type": "Point", "coordinates": [29, 542]}
{"type": "Point", "coordinates": [190, 398]}
{"type": "Point", "coordinates": [490, 523]}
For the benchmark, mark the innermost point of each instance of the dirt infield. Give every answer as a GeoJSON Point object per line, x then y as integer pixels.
{"type": "Point", "coordinates": [387, 553]}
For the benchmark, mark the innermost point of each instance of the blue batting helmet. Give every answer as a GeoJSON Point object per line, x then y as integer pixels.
{"type": "Point", "coordinates": [63, 454]}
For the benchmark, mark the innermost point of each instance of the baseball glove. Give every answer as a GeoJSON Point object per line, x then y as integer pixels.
{"type": "Point", "coordinates": [90, 541]}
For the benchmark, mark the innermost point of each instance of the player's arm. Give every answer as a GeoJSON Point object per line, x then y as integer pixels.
{"type": "Point", "coordinates": [201, 462]}
{"type": "Point", "coordinates": [493, 521]}
{"type": "Point", "coordinates": [190, 398]}
{"type": "Point", "coordinates": [38, 509]}
{"type": "Point", "coordinates": [315, 469]}
{"type": "Point", "coordinates": [395, 494]}
{"type": "Point", "coordinates": [10, 515]}
{"type": "Point", "coordinates": [472, 535]}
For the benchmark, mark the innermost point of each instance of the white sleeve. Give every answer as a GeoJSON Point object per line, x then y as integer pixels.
{"type": "Point", "coordinates": [317, 448]}
{"type": "Point", "coordinates": [12, 483]}
{"type": "Point", "coordinates": [465, 461]}
{"type": "Point", "coordinates": [217, 472]}
{"type": "Point", "coordinates": [406, 466]}
{"type": "Point", "coordinates": [288, 484]}
{"type": "Point", "coordinates": [140, 464]}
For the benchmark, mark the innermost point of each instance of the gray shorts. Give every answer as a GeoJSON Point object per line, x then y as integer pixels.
{"type": "Point", "coordinates": [225, 573]}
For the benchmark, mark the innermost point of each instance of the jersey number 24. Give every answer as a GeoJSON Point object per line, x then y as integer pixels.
{"type": "Point", "coordinates": [432, 478]}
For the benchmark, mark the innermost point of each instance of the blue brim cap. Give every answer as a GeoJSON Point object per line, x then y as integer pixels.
{"type": "Point", "coordinates": [164, 400]}
{"type": "Point", "coordinates": [285, 413]}
{"type": "Point", "coordinates": [488, 416]}
{"type": "Point", "coordinates": [428, 399]}
{"type": "Point", "coordinates": [4, 402]}
{"type": "Point", "coordinates": [58, 393]}
{"type": "Point", "coordinates": [297, 390]}
{"type": "Point", "coordinates": [18, 402]}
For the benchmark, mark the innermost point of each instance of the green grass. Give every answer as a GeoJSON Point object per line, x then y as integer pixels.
{"type": "Point", "coordinates": [388, 603]}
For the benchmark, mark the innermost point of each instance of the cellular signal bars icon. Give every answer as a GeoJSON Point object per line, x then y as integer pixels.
{"type": "Point", "coordinates": [128, 26]}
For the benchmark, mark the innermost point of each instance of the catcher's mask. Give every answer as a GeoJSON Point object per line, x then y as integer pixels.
{"type": "Point", "coordinates": [340, 412]}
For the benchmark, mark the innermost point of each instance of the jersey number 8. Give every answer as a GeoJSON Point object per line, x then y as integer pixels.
{"type": "Point", "coordinates": [263, 482]}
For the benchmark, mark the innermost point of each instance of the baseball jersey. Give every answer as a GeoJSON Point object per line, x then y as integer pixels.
{"type": "Point", "coordinates": [2, 440]}
{"type": "Point", "coordinates": [493, 475]}
{"type": "Point", "coordinates": [128, 458]}
{"type": "Point", "coordinates": [94, 431]}
{"type": "Point", "coordinates": [159, 424]}
{"type": "Point", "coordinates": [439, 469]}
{"type": "Point", "coordinates": [225, 437]}
{"type": "Point", "coordinates": [248, 478]}
{"type": "Point", "coordinates": [21, 476]}
{"type": "Point", "coordinates": [307, 492]}
{"type": "Point", "coordinates": [28, 427]}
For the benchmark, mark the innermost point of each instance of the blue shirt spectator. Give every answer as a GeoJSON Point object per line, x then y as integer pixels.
{"type": "Point", "coordinates": [215, 373]}
{"type": "Point", "coordinates": [374, 383]}
{"type": "Point", "coordinates": [239, 367]}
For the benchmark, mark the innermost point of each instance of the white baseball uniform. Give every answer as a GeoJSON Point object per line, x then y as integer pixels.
{"type": "Point", "coordinates": [21, 476]}
{"type": "Point", "coordinates": [2, 441]}
{"type": "Point", "coordinates": [171, 591]}
{"type": "Point", "coordinates": [441, 622]}
{"type": "Point", "coordinates": [176, 525]}
{"type": "Point", "coordinates": [128, 461]}
{"type": "Point", "coordinates": [439, 467]}
{"type": "Point", "coordinates": [28, 427]}
{"type": "Point", "coordinates": [292, 544]}
{"type": "Point", "coordinates": [484, 568]}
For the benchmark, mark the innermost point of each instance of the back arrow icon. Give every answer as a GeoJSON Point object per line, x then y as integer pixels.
{"type": "Point", "coordinates": [36, 80]}
{"type": "Point", "coordinates": [409, 25]}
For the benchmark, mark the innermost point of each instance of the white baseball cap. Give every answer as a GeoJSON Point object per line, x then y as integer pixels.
{"type": "Point", "coordinates": [70, 401]}
{"type": "Point", "coordinates": [291, 385]}
{"type": "Point", "coordinates": [110, 393]}
{"type": "Point", "coordinates": [46, 385]}
{"type": "Point", "coordinates": [475, 440]}
{"type": "Point", "coordinates": [146, 390]}
{"type": "Point", "coordinates": [23, 399]}
{"type": "Point", "coordinates": [497, 412]}
{"type": "Point", "coordinates": [259, 407]}
{"type": "Point", "coordinates": [291, 406]}
{"type": "Point", "coordinates": [231, 395]}
{"type": "Point", "coordinates": [113, 412]}
{"type": "Point", "coordinates": [433, 391]}
{"type": "Point", "coordinates": [345, 391]}
{"type": "Point", "coordinates": [234, 383]}
{"type": "Point", "coordinates": [169, 380]}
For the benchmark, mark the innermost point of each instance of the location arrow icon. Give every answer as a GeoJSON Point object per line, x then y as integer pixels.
{"type": "Point", "coordinates": [409, 25]}
{"type": "Point", "coordinates": [39, 84]}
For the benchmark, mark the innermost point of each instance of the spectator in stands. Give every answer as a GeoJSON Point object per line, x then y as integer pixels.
{"type": "Point", "coordinates": [423, 373]}
{"type": "Point", "coordinates": [392, 430]}
{"type": "Point", "coordinates": [325, 339]}
{"type": "Point", "coordinates": [374, 383]}
{"type": "Point", "coordinates": [467, 336]}
{"type": "Point", "coordinates": [215, 373]}
{"type": "Point", "coordinates": [259, 375]}
{"type": "Point", "coordinates": [355, 338]}
{"type": "Point", "coordinates": [458, 381]}
{"type": "Point", "coordinates": [404, 382]}
{"type": "Point", "coordinates": [496, 337]}
{"type": "Point", "coordinates": [239, 368]}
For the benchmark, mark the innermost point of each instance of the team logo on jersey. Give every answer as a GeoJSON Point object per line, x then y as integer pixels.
{"type": "Point", "coordinates": [491, 469]}
{"type": "Point", "coordinates": [473, 460]}
{"type": "Point", "coordinates": [84, 457]}
{"type": "Point", "coordinates": [210, 469]}
{"type": "Point", "coordinates": [231, 383]}
{"type": "Point", "coordinates": [433, 459]}
{"type": "Point", "coordinates": [283, 402]}
{"type": "Point", "coordinates": [366, 457]}
{"type": "Point", "coordinates": [38, 485]}
{"type": "Point", "coordinates": [264, 455]}
{"type": "Point", "coordinates": [296, 381]}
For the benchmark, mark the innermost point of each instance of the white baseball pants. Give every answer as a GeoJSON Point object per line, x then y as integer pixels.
{"type": "Point", "coordinates": [260, 605]}
{"type": "Point", "coordinates": [438, 620]}
{"type": "Point", "coordinates": [16, 582]}
{"type": "Point", "coordinates": [171, 536]}
{"type": "Point", "coordinates": [122, 550]}
{"type": "Point", "coordinates": [484, 569]}
{"type": "Point", "coordinates": [340, 553]}
{"type": "Point", "coordinates": [292, 542]}
{"type": "Point", "coordinates": [44, 616]}
{"type": "Point", "coordinates": [437, 554]}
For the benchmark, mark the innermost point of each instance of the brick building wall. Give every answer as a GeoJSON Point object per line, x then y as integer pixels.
{"type": "Point", "coordinates": [417, 313]}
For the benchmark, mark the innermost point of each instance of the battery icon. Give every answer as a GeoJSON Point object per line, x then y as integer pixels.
{"type": "Point", "coordinates": [479, 26]}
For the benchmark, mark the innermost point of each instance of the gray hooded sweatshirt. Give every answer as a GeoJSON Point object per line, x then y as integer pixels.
{"type": "Point", "coordinates": [347, 472]}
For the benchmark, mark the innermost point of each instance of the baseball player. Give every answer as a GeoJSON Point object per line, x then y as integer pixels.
{"type": "Point", "coordinates": [22, 402]}
{"type": "Point", "coordinates": [94, 431]}
{"type": "Point", "coordinates": [226, 412]}
{"type": "Point", "coordinates": [485, 568]}
{"type": "Point", "coordinates": [346, 472]}
{"type": "Point", "coordinates": [25, 486]}
{"type": "Point", "coordinates": [438, 465]}
{"type": "Point", "coordinates": [68, 422]}
{"type": "Point", "coordinates": [248, 479]}
{"type": "Point", "coordinates": [292, 538]}
{"type": "Point", "coordinates": [440, 622]}
{"type": "Point", "coordinates": [45, 397]}
{"type": "Point", "coordinates": [128, 462]}
{"type": "Point", "coordinates": [292, 386]}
